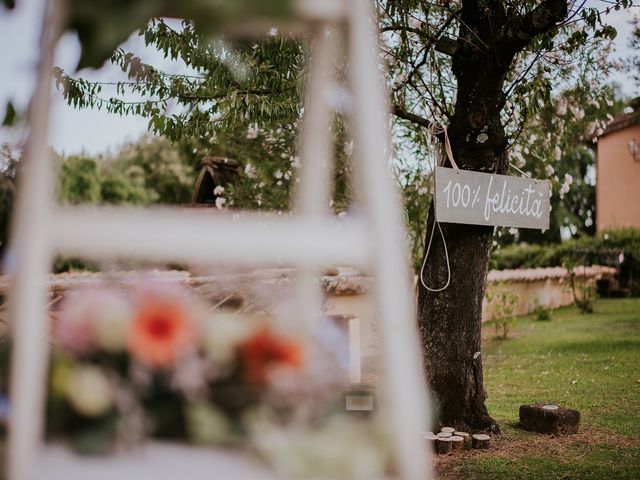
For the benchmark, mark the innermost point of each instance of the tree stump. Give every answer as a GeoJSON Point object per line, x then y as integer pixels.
{"type": "Point", "coordinates": [465, 436]}
{"type": "Point", "coordinates": [457, 443]}
{"type": "Point", "coordinates": [480, 440]}
{"type": "Point", "coordinates": [443, 445]}
{"type": "Point", "coordinates": [548, 418]}
{"type": "Point", "coordinates": [444, 435]}
{"type": "Point", "coordinates": [430, 439]}
{"type": "Point", "coordinates": [447, 430]}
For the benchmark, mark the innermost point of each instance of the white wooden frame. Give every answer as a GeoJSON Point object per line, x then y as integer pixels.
{"type": "Point", "coordinates": [308, 240]}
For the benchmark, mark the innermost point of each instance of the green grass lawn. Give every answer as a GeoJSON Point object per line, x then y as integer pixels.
{"type": "Point", "coordinates": [586, 362]}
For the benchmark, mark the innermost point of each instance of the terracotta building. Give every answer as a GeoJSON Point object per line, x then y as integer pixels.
{"type": "Point", "coordinates": [618, 172]}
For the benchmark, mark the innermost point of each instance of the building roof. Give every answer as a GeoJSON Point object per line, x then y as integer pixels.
{"type": "Point", "coordinates": [624, 120]}
{"type": "Point", "coordinates": [214, 172]}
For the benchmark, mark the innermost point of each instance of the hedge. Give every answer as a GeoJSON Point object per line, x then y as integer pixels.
{"type": "Point", "coordinates": [606, 248]}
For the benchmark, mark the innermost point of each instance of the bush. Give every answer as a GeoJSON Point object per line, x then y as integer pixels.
{"type": "Point", "coordinates": [79, 181]}
{"type": "Point", "coordinates": [616, 248]}
{"type": "Point", "coordinates": [503, 303]}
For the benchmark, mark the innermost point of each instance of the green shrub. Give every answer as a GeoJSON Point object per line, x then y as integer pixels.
{"type": "Point", "coordinates": [606, 248]}
{"type": "Point", "coordinates": [544, 314]}
{"type": "Point", "coordinates": [503, 303]}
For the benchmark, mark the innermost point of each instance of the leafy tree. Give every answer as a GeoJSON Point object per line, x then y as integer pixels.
{"type": "Point", "coordinates": [156, 172]}
{"type": "Point", "coordinates": [632, 64]}
{"type": "Point", "coordinates": [559, 144]}
{"type": "Point", "coordinates": [79, 180]}
{"type": "Point", "coordinates": [479, 68]}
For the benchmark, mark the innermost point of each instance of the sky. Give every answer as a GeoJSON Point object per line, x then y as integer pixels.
{"type": "Point", "coordinates": [75, 131]}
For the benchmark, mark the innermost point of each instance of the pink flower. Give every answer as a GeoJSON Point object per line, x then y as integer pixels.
{"type": "Point", "coordinates": [162, 330]}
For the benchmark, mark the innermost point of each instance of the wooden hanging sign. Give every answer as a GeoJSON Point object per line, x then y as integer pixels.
{"type": "Point", "coordinates": [463, 196]}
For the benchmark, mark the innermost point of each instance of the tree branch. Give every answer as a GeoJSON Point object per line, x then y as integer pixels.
{"type": "Point", "coordinates": [541, 19]}
{"type": "Point", "coordinates": [412, 117]}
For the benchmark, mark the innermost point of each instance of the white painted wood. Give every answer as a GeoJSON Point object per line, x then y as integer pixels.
{"type": "Point", "coordinates": [31, 258]}
{"type": "Point", "coordinates": [406, 403]}
{"type": "Point", "coordinates": [325, 10]}
{"type": "Point", "coordinates": [155, 461]}
{"type": "Point", "coordinates": [200, 236]}
{"type": "Point", "coordinates": [476, 198]}
{"type": "Point", "coordinates": [313, 192]}
{"type": "Point", "coordinates": [170, 235]}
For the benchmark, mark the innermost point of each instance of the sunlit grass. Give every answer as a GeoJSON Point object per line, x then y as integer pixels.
{"type": "Point", "coordinates": [587, 362]}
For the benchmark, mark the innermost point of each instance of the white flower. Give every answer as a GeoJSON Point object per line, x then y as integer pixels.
{"type": "Point", "coordinates": [549, 170]}
{"type": "Point", "coordinates": [273, 31]}
{"type": "Point", "coordinates": [557, 152]}
{"type": "Point", "coordinates": [252, 131]}
{"type": "Point", "coordinates": [518, 158]}
{"type": "Point", "coordinates": [223, 332]}
{"type": "Point", "coordinates": [220, 201]}
{"type": "Point", "coordinates": [564, 188]}
{"type": "Point", "coordinates": [112, 324]}
{"type": "Point", "coordinates": [278, 174]}
{"type": "Point", "coordinates": [348, 148]}
{"type": "Point", "coordinates": [207, 425]}
{"type": "Point", "coordinates": [219, 190]}
{"type": "Point", "coordinates": [568, 179]}
{"type": "Point", "coordinates": [89, 392]}
{"type": "Point", "coordinates": [561, 107]}
{"type": "Point", "coordinates": [250, 171]}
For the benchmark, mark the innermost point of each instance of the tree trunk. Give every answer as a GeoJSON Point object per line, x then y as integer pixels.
{"type": "Point", "coordinates": [490, 36]}
{"type": "Point", "coordinates": [450, 320]}
{"type": "Point", "coordinates": [449, 323]}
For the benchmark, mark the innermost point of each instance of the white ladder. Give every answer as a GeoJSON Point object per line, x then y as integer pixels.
{"type": "Point", "coordinates": [309, 239]}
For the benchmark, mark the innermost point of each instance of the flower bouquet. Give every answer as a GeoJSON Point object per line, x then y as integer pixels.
{"type": "Point", "coordinates": [156, 362]}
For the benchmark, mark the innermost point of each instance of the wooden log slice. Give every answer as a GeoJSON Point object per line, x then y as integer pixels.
{"type": "Point", "coordinates": [430, 439]}
{"type": "Point", "coordinates": [480, 440]}
{"type": "Point", "coordinates": [443, 445]}
{"type": "Point", "coordinates": [448, 430]}
{"type": "Point", "coordinates": [549, 418]}
{"type": "Point", "coordinates": [457, 443]}
{"type": "Point", "coordinates": [444, 435]}
{"type": "Point", "coordinates": [465, 436]}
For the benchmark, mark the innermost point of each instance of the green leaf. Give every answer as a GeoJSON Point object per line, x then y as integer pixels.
{"type": "Point", "coordinates": [9, 115]}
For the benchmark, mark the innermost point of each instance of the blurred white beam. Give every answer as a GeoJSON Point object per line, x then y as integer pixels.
{"type": "Point", "coordinates": [202, 236]}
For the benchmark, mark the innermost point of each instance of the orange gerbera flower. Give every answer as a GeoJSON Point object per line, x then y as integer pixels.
{"type": "Point", "coordinates": [263, 351]}
{"type": "Point", "coordinates": [162, 329]}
